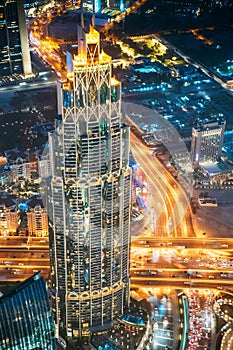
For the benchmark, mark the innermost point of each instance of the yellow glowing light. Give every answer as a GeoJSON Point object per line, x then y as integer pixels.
{"type": "Point", "coordinates": [70, 76]}
{"type": "Point", "coordinates": [104, 58]}
{"type": "Point", "coordinates": [67, 86]}
{"type": "Point", "coordinates": [80, 60]}
{"type": "Point", "coordinates": [93, 37]}
{"type": "Point", "coordinates": [114, 82]}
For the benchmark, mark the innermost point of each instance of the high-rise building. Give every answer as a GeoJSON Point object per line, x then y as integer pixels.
{"type": "Point", "coordinates": [8, 215]}
{"type": "Point", "coordinates": [14, 47]}
{"type": "Point", "coordinates": [26, 321]}
{"type": "Point", "coordinates": [207, 141]}
{"type": "Point", "coordinates": [37, 220]}
{"type": "Point", "coordinates": [90, 195]}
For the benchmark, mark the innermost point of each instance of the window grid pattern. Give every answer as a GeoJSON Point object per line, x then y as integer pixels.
{"type": "Point", "coordinates": [91, 211]}
{"type": "Point", "coordinates": [26, 321]}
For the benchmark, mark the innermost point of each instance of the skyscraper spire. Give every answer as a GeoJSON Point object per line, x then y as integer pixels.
{"type": "Point", "coordinates": [90, 196]}
{"type": "Point", "coordinates": [82, 18]}
{"type": "Point", "coordinates": [93, 14]}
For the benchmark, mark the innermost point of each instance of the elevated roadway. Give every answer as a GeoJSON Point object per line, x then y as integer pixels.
{"type": "Point", "coordinates": [223, 244]}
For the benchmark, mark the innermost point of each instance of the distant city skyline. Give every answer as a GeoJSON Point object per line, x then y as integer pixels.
{"type": "Point", "coordinates": [14, 45]}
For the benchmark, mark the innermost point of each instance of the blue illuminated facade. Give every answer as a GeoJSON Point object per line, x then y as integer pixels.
{"type": "Point", "coordinates": [26, 322]}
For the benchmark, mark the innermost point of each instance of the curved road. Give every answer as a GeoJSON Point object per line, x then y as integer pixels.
{"type": "Point", "coordinates": [168, 199]}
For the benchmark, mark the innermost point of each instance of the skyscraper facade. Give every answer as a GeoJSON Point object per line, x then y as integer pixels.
{"type": "Point", "coordinates": [26, 321]}
{"type": "Point", "coordinates": [14, 47]}
{"type": "Point", "coordinates": [207, 141]}
{"type": "Point", "coordinates": [90, 195]}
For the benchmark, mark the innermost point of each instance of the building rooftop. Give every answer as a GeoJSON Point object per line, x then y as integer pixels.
{"type": "Point", "coordinates": [35, 201]}
{"type": "Point", "coordinates": [210, 124]}
{"type": "Point", "coordinates": [7, 200]}
{"type": "Point", "coordinates": [15, 154]}
{"type": "Point", "coordinates": [215, 168]}
{"type": "Point", "coordinates": [9, 294]}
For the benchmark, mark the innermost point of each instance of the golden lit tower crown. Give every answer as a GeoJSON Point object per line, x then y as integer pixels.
{"type": "Point", "coordinates": [90, 194]}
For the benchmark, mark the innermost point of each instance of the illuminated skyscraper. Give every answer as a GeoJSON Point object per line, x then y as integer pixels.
{"type": "Point", "coordinates": [26, 321]}
{"type": "Point", "coordinates": [207, 141]}
{"type": "Point", "coordinates": [90, 195]}
{"type": "Point", "coordinates": [14, 48]}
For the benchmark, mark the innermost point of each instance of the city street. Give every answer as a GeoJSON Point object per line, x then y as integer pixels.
{"type": "Point", "coordinates": [21, 257]}
{"type": "Point", "coordinates": [169, 200]}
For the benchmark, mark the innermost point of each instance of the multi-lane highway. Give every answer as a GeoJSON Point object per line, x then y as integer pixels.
{"type": "Point", "coordinates": [223, 244]}
{"type": "Point", "coordinates": [178, 258]}
{"type": "Point", "coordinates": [6, 242]}
{"type": "Point", "coordinates": [168, 199]}
{"type": "Point", "coordinates": [31, 85]}
{"type": "Point", "coordinates": [21, 257]}
{"type": "Point", "coordinates": [165, 264]}
{"type": "Point", "coordinates": [181, 283]}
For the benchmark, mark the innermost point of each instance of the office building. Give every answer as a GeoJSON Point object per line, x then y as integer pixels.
{"type": "Point", "coordinates": [90, 195]}
{"type": "Point", "coordinates": [26, 321]}
{"type": "Point", "coordinates": [207, 141]}
{"type": "Point", "coordinates": [14, 47]}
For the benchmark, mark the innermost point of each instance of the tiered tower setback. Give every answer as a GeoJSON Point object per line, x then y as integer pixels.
{"type": "Point", "coordinates": [90, 195]}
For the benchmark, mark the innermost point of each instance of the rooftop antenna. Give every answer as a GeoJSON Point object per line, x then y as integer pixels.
{"type": "Point", "coordinates": [82, 18]}
{"type": "Point", "coordinates": [93, 13]}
